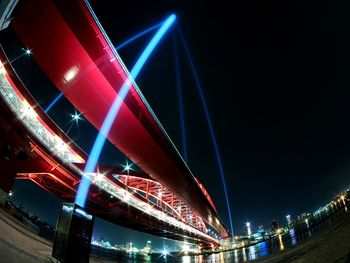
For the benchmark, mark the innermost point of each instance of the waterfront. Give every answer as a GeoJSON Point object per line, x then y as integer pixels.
{"type": "Point", "coordinates": [328, 243]}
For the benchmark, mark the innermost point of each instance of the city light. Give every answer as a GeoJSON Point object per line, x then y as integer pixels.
{"type": "Point", "coordinates": [115, 107]}
{"type": "Point", "coordinates": [185, 249]}
{"type": "Point", "coordinates": [10, 193]}
{"type": "Point", "coordinates": [249, 230]}
{"type": "Point", "coordinates": [165, 252]}
{"type": "Point", "coordinates": [288, 218]}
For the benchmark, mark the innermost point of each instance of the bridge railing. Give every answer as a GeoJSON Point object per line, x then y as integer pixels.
{"type": "Point", "coordinates": [175, 212]}
{"type": "Point", "coordinates": [132, 198]}
{"type": "Point", "coordinates": [30, 119]}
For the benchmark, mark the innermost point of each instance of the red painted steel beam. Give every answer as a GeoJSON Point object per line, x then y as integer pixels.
{"type": "Point", "coordinates": [43, 169]}
{"type": "Point", "coordinates": [69, 47]}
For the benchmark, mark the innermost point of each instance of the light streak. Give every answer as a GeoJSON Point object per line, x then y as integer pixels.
{"type": "Point", "coordinates": [53, 102]}
{"type": "Point", "coordinates": [137, 36]}
{"type": "Point", "coordinates": [114, 109]}
{"type": "Point", "coordinates": [180, 99]}
{"type": "Point", "coordinates": [210, 125]}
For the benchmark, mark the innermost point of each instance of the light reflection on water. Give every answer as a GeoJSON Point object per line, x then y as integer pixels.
{"type": "Point", "coordinates": [280, 240]}
{"type": "Point", "coordinates": [276, 243]}
{"type": "Point", "coordinates": [293, 237]}
{"type": "Point", "coordinates": [186, 259]}
{"type": "Point", "coordinates": [244, 255]}
{"type": "Point", "coordinates": [251, 254]}
{"type": "Point", "coordinates": [263, 249]}
{"type": "Point", "coordinates": [236, 255]}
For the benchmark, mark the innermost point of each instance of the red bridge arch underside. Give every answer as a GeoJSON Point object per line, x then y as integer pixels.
{"type": "Point", "coordinates": [74, 54]}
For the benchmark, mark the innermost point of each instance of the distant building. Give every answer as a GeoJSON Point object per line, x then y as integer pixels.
{"type": "Point", "coordinates": [274, 225]}
{"type": "Point", "coordinates": [249, 230]}
{"type": "Point", "coordinates": [289, 220]}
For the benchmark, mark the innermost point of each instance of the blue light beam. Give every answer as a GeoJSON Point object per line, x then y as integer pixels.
{"type": "Point", "coordinates": [137, 36]}
{"type": "Point", "coordinates": [180, 99]}
{"type": "Point", "coordinates": [53, 102]}
{"type": "Point", "coordinates": [122, 45]}
{"type": "Point", "coordinates": [210, 125]}
{"type": "Point", "coordinates": [114, 109]}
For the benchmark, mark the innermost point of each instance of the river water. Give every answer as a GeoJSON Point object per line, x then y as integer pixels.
{"type": "Point", "coordinates": [270, 246]}
{"type": "Point", "coordinates": [277, 243]}
{"type": "Point", "coordinates": [238, 255]}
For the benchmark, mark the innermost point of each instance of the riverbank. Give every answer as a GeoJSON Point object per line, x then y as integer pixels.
{"type": "Point", "coordinates": [330, 245]}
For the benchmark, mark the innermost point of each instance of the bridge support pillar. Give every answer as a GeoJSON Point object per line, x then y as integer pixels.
{"type": "Point", "coordinates": [3, 196]}
{"type": "Point", "coordinates": [73, 235]}
{"type": "Point", "coordinates": [8, 175]}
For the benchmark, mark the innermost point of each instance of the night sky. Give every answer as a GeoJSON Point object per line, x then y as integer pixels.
{"type": "Point", "coordinates": [275, 76]}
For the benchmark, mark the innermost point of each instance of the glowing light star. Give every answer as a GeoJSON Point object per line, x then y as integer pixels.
{"type": "Point", "coordinates": [165, 252]}
{"type": "Point", "coordinates": [28, 51]}
{"type": "Point", "coordinates": [127, 167]}
{"type": "Point", "coordinates": [115, 107]}
{"type": "Point", "coordinates": [76, 117]}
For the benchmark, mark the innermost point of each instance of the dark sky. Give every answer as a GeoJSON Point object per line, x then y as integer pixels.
{"type": "Point", "coordinates": [275, 76]}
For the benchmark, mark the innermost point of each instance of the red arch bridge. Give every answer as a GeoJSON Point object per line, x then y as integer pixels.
{"type": "Point", "coordinates": [71, 48]}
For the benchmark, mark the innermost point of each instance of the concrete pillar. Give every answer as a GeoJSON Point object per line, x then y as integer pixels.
{"type": "Point", "coordinates": [73, 235]}
{"type": "Point", "coordinates": [3, 196]}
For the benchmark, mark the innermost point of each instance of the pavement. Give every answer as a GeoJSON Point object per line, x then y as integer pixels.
{"type": "Point", "coordinates": [18, 244]}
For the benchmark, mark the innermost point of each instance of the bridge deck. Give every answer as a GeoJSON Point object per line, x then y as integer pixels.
{"type": "Point", "coordinates": [73, 51]}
